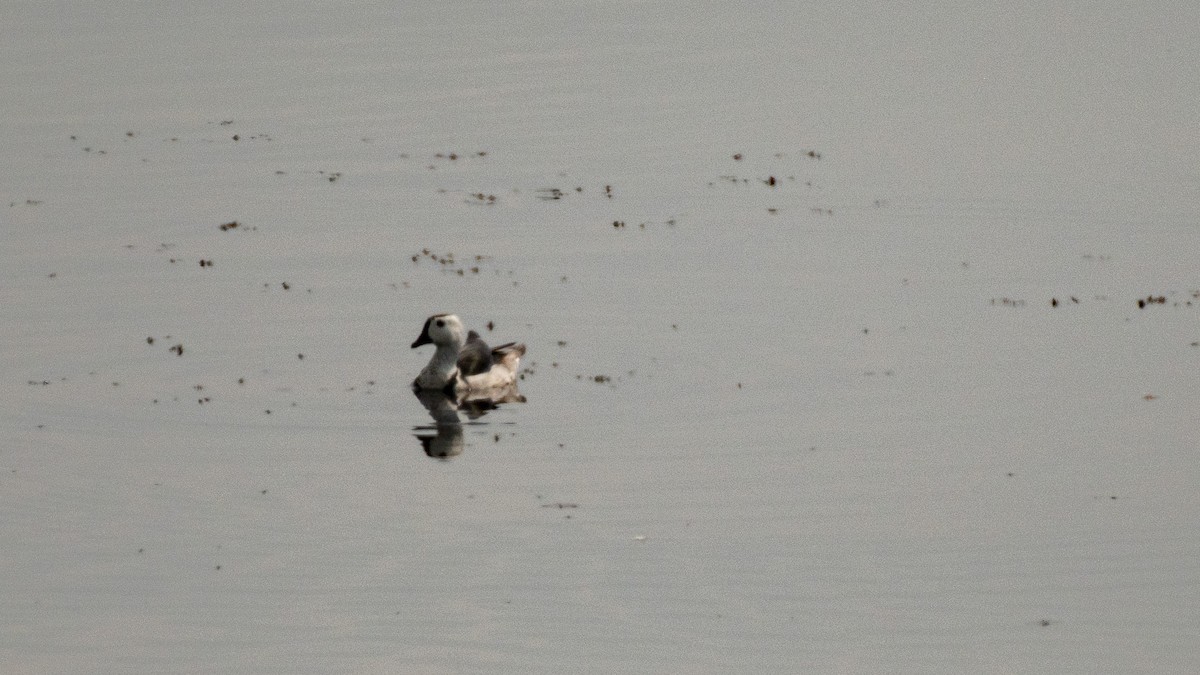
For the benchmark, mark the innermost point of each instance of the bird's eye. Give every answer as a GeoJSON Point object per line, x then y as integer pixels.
{"type": "Point", "coordinates": [440, 323]}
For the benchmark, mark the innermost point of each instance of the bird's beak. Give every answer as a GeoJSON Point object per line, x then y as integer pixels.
{"type": "Point", "coordinates": [423, 340]}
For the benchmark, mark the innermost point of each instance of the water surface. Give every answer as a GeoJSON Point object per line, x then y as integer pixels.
{"type": "Point", "coordinates": [836, 360]}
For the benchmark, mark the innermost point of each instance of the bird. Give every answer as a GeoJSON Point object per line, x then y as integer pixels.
{"type": "Point", "coordinates": [463, 363]}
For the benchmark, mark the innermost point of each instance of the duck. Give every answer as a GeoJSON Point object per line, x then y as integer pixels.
{"type": "Point", "coordinates": [463, 363]}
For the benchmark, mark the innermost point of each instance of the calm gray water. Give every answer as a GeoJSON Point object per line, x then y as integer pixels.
{"type": "Point", "coordinates": [836, 360]}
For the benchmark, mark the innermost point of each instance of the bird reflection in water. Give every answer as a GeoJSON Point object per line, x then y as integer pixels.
{"type": "Point", "coordinates": [444, 439]}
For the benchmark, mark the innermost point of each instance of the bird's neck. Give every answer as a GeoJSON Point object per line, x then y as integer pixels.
{"type": "Point", "coordinates": [441, 369]}
{"type": "Point", "coordinates": [446, 356]}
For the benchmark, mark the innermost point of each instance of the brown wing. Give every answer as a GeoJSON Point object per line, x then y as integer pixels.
{"type": "Point", "coordinates": [475, 357]}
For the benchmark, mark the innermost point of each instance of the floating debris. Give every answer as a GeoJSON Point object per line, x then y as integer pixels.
{"type": "Point", "coordinates": [448, 260]}
{"type": "Point", "coordinates": [1008, 302]}
{"type": "Point", "coordinates": [1055, 302]}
